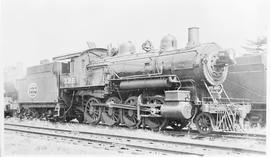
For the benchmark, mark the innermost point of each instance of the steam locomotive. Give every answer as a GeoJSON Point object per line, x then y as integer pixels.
{"type": "Point", "coordinates": [169, 87]}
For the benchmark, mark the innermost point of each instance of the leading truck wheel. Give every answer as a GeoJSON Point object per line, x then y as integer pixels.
{"type": "Point", "coordinates": [204, 122]}
{"type": "Point", "coordinates": [92, 114]}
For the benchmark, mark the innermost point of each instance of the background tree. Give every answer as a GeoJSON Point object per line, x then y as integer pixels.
{"type": "Point", "coordinates": [10, 90]}
{"type": "Point", "coordinates": [258, 46]}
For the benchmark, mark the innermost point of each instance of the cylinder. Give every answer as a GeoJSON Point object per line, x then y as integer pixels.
{"type": "Point", "coordinates": [137, 84]}
{"type": "Point", "coordinates": [193, 37]}
{"type": "Point", "coordinates": [176, 110]}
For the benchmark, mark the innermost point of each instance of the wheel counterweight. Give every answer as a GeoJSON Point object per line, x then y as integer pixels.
{"type": "Point", "coordinates": [111, 116]}
{"type": "Point", "coordinates": [130, 116]}
{"type": "Point", "coordinates": [156, 123]}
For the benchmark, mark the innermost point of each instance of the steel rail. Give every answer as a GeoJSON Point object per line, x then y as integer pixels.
{"type": "Point", "coordinates": [131, 144]}
{"type": "Point", "coordinates": [105, 141]}
{"type": "Point", "coordinates": [216, 134]}
{"type": "Point", "coordinates": [186, 131]}
{"type": "Point", "coordinates": [183, 132]}
{"type": "Point", "coordinates": [244, 135]}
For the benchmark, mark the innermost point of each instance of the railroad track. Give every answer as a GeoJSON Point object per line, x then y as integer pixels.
{"type": "Point", "coordinates": [197, 135]}
{"type": "Point", "coordinates": [228, 135]}
{"type": "Point", "coordinates": [155, 145]}
{"type": "Point", "coordinates": [194, 134]}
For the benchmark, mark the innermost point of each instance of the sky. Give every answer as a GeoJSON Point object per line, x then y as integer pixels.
{"type": "Point", "coordinates": [33, 30]}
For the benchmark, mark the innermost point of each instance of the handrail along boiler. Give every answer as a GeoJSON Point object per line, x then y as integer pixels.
{"type": "Point", "coordinates": [154, 88]}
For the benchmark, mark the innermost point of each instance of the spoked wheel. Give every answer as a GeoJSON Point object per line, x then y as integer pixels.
{"type": "Point", "coordinates": [204, 122]}
{"type": "Point", "coordinates": [111, 116]}
{"type": "Point", "coordinates": [130, 116]}
{"type": "Point", "coordinates": [178, 125]}
{"type": "Point", "coordinates": [92, 114]}
{"type": "Point", "coordinates": [156, 123]}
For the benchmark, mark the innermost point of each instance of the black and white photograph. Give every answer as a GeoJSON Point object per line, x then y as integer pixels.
{"type": "Point", "coordinates": [134, 77]}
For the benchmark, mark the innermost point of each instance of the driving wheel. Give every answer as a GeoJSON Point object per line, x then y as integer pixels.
{"type": "Point", "coordinates": [130, 116]}
{"type": "Point", "coordinates": [92, 113]}
{"type": "Point", "coordinates": [111, 116]}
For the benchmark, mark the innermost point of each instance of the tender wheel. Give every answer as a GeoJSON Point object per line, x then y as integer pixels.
{"type": "Point", "coordinates": [111, 116]}
{"type": "Point", "coordinates": [92, 114]}
{"type": "Point", "coordinates": [156, 123]}
{"type": "Point", "coordinates": [204, 122]}
{"type": "Point", "coordinates": [130, 116]}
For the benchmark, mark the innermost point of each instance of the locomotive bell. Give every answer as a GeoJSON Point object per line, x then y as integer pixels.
{"type": "Point", "coordinates": [127, 48]}
{"type": "Point", "coordinates": [168, 43]}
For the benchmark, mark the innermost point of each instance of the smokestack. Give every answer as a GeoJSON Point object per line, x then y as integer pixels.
{"type": "Point", "coordinates": [193, 37]}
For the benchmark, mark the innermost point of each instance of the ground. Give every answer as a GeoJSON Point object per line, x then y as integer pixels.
{"type": "Point", "coordinates": [22, 143]}
{"type": "Point", "coordinates": [16, 143]}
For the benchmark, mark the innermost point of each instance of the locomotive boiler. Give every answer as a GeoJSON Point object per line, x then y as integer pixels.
{"type": "Point", "coordinates": [168, 87]}
{"type": "Point", "coordinates": [207, 62]}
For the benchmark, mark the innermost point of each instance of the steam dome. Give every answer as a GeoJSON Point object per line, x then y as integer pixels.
{"type": "Point", "coordinates": [168, 42]}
